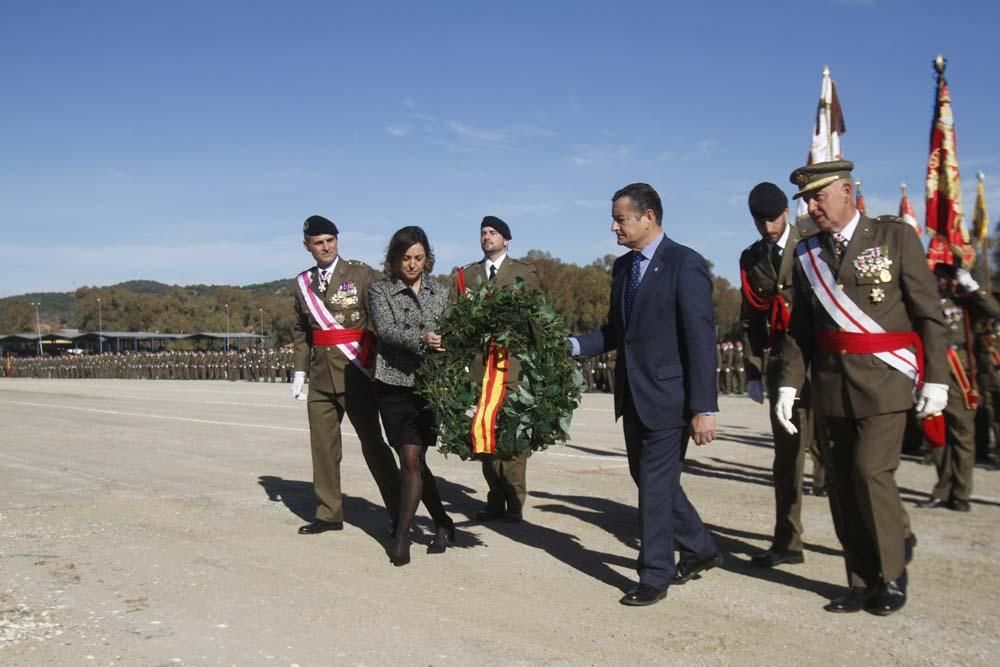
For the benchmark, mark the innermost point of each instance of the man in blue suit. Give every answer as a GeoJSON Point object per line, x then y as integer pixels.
{"type": "Point", "coordinates": [661, 322]}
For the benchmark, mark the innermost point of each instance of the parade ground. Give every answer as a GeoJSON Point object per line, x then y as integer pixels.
{"type": "Point", "coordinates": [154, 523]}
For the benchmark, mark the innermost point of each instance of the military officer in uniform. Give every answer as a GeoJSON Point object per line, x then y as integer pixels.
{"type": "Point", "coordinates": [987, 352]}
{"type": "Point", "coordinates": [962, 301]}
{"type": "Point", "coordinates": [766, 281]}
{"type": "Point", "coordinates": [505, 477]}
{"type": "Point", "coordinates": [867, 325]}
{"type": "Point", "coordinates": [332, 339]}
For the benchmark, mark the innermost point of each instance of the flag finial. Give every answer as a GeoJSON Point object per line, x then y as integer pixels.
{"type": "Point", "coordinates": [826, 70]}
{"type": "Point", "coordinates": [940, 63]}
{"type": "Point", "coordinates": [981, 176]}
{"type": "Point", "coordinates": [903, 186]}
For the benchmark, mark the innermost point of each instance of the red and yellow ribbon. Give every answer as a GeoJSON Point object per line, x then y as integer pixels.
{"type": "Point", "coordinates": [494, 388]}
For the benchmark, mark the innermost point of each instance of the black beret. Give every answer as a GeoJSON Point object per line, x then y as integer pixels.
{"type": "Point", "coordinates": [767, 201]}
{"type": "Point", "coordinates": [317, 225]}
{"type": "Point", "coordinates": [497, 224]}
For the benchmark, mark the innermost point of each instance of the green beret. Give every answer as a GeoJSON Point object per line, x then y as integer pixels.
{"type": "Point", "coordinates": [817, 176]}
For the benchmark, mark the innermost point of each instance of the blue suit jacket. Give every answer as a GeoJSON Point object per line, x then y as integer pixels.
{"type": "Point", "coordinates": [666, 350]}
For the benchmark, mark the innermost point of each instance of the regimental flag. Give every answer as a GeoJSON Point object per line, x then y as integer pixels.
{"type": "Point", "coordinates": [906, 211]}
{"type": "Point", "coordinates": [950, 240]}
{"type": "Point", "coordinates": [980, 219]}
{"type": "Point", "coordinates": [859, 202]}
{"type": "Point", "coordinates": [828, 128]}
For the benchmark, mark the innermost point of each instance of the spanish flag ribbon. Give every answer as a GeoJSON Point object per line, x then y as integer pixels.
{"type": "Point", "coordinates": [494, 388]}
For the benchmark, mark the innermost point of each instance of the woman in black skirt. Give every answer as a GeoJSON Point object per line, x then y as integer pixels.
{"type": "Point", "coordinates": [405, 307]}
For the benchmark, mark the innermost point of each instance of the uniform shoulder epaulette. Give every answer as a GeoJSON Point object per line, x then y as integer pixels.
{"type": "Point", "coordinates": [807, 231]}
{"type": "Point", "coordinates": [472, 265]}
{"type": "Point", "coordinates": [520, 261]}
{"type": "Point", "coordinates": [890, 218]}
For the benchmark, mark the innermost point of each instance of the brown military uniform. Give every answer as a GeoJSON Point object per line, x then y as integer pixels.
{"type": "Point", "coordinates": [506, 478]}
{"type": "Point", "coordinates": [957, 459]}
{"type": "Point", "coordinates": [762, 362]}
{"type": "Point", "coordinates": [859, 401]}
{"type": "Point", "coordinates": [336, 386]}
{"type": "Point", "coordinates": [987, 351]}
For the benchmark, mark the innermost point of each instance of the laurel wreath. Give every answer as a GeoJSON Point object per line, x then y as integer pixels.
{"type": "Point", "coordinates": [539, 412]}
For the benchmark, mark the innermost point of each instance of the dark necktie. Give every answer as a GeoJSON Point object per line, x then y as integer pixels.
{"type": "Point", "coordinates": [633, 282]}
{"type": "Point", "coordinates": [493, 272]}
{"type": "Point", "coordinates": [776, 258]}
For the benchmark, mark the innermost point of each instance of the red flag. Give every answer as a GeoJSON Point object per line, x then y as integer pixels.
{"type": "Point", "coordinates": [859, 202]}
{"type": "Point", "coordinates": [906, 211]}
{"type": "Point", "coordinates": [950, 239]}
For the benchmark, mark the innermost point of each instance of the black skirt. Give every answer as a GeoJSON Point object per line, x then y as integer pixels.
{"type": "Point", "coordinates": [406, 417]}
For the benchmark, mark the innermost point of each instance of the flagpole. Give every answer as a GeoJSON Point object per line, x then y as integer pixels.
{"type": "Point", "coordinates": [828, 111]}
{"type": "Point", "coordinates": [985, 245]}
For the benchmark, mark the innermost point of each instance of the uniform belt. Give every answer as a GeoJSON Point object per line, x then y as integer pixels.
{"type": "Point", "coordinates": [327, 337]}
{"type": "Point", "coordinates": [871, 343]}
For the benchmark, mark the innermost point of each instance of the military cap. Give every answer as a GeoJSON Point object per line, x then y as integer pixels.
{"type": "Point", "coordinates": [497, 224]}
{"type": "Point", "coordinates": [317, 225]}
{"type": "Point", "coordinates": [814, 177]}
{"type": "Point", "coordinates": [767, 201]}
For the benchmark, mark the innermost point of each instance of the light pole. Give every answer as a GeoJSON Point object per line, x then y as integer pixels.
{"type": "Point", "coordinates": [227, 327]}
{"type": "Point", "coordinates": [261, 311]}
{"type": "Point", "coordinates": [38, 326]}
{"type": "Point", "coordinates": [100, 328]}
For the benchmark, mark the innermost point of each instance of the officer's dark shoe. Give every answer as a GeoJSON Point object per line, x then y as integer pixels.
{"type": "Point", "coordinates": [489, 515]}
{"type": "Point", "coordinates": [318, 526]}
{"type": "Point", "coordinates": [687, 570]}
{"type": "Point", "coordinates": [853, 601]}
{"type": "Point", "coordinates": [773, 557]}
{"type": "Point", "coordinates": [513, 517]}
{"type": "Point", "coordinates": [888, 598]}
{"type": "Point", "coordinates": [908, 546]}
{"type": "Point", "coordinates": [643, 595]}
{"type": "Point", "coordinates": [959, 505]}
{"type": "Point", "coordinates": [931, 503]}
{"type": "Point", "coordinates": [819, 491]}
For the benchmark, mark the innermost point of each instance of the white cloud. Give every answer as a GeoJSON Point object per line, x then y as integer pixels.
{"type": "Point", "coordinates": [477, 134]}
{"type": "Point", "coordinates": [398, 130]}
{"type": "Point", "coordinates": [594, 153]}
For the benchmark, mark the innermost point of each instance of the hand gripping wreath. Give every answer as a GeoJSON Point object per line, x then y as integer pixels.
{"type": "Point", "coordinates": [481, 332]}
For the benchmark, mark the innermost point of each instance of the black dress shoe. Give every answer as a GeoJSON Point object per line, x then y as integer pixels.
{"type": "Point", "coordinates": [772, 557]}
{"type": "Point", "coordinates": [443, 537]}
{"type": "Point", "coordinates": [489, 515]}
{"type": "Point", "coordinates": [908, 546]}
{"type": "Point", "coordinates": [932, 503]}
{"type": "Point", "coordinates": [513, 517]}
{"type": "Point", "coordinates": [643, 595]}
{"type": "Point", "coordinates": [399, 554]}
{"type": "Point", "coordinates": [888, 598]}
{"type": "Point", "coordinates": [853, 601]}
{"type": "Point", "coordinates": [819, 491]}
{"type": "Point", "coordinates": [959, 505]}
{"type": "Point", "coordinates": [318, 526]}
{"type": "Point", "coordinates": [687, 570]}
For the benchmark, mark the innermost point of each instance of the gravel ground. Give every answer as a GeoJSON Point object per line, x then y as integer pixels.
{"type": "Point", "coordinates": [154, 523]}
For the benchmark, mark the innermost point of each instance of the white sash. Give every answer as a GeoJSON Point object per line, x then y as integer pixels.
{"type": "Point", "coordinates": [324, 319]}
{"type": "Point", "coordinates": [845, 313]}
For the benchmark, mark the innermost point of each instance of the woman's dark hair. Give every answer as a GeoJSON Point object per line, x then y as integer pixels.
{"type": "Point", "coordinates": [400, 242]}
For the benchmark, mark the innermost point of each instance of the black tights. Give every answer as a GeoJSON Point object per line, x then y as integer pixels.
{"type": "Point", "coordinates": [418, 483]}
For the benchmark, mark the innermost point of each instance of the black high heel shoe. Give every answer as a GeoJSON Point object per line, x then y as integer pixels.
{"type": "Point", "coordinates": [399, 554]}
{"type": "Point", "coordinates": [444, 536]}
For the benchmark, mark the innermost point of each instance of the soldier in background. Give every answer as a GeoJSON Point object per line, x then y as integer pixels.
{"type": "Point", "coordinates": [987, 353]}
{"type": "Point", "coordinates": [961, 298]}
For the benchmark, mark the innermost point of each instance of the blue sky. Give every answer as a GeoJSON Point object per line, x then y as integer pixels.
{"type": "Point", "coordinates": [186, 141]}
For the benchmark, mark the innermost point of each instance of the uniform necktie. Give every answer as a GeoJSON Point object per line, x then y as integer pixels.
{"type": "Point", "coordinates": [633, 282]}
{"type": "Point", "coordinates": [839, 246]}
{"type": "Point", "coordinates": [776, 258]}
{"type": "Point", "coordinates": [493, 272]}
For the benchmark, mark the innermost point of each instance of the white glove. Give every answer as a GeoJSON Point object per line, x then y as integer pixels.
{"type": "Point", "coordinates": [967, 282]}
{"type": "Point", "coordinates": [755, 390]}
{"type": "Point", "coordinates": [931, 399]}
{"type": "Point", "coordinates": [783, 408]}
{"type": "Point", "coordinates": [298, 384]}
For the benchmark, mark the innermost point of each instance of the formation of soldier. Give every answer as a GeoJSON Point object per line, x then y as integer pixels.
{"type": "Point", "coordinates": [730, 370]}
{"type": "Point", "coordinates": [599, 372]}
{"type": "Point", "coordinates": [250, 365]}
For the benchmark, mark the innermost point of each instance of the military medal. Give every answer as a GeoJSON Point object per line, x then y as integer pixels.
{"type": "Point", "coordinates": [877, 295]}
{"type": "Point", "coordinates": [873, 264]}
{"type": "Point", "coordinates": [339, 317]}
{"type": "Point", "coordinates": [355, 316]}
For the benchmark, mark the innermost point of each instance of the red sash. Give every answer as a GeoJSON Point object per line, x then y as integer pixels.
{"type": "Point", "coordinates": [344, 336]}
